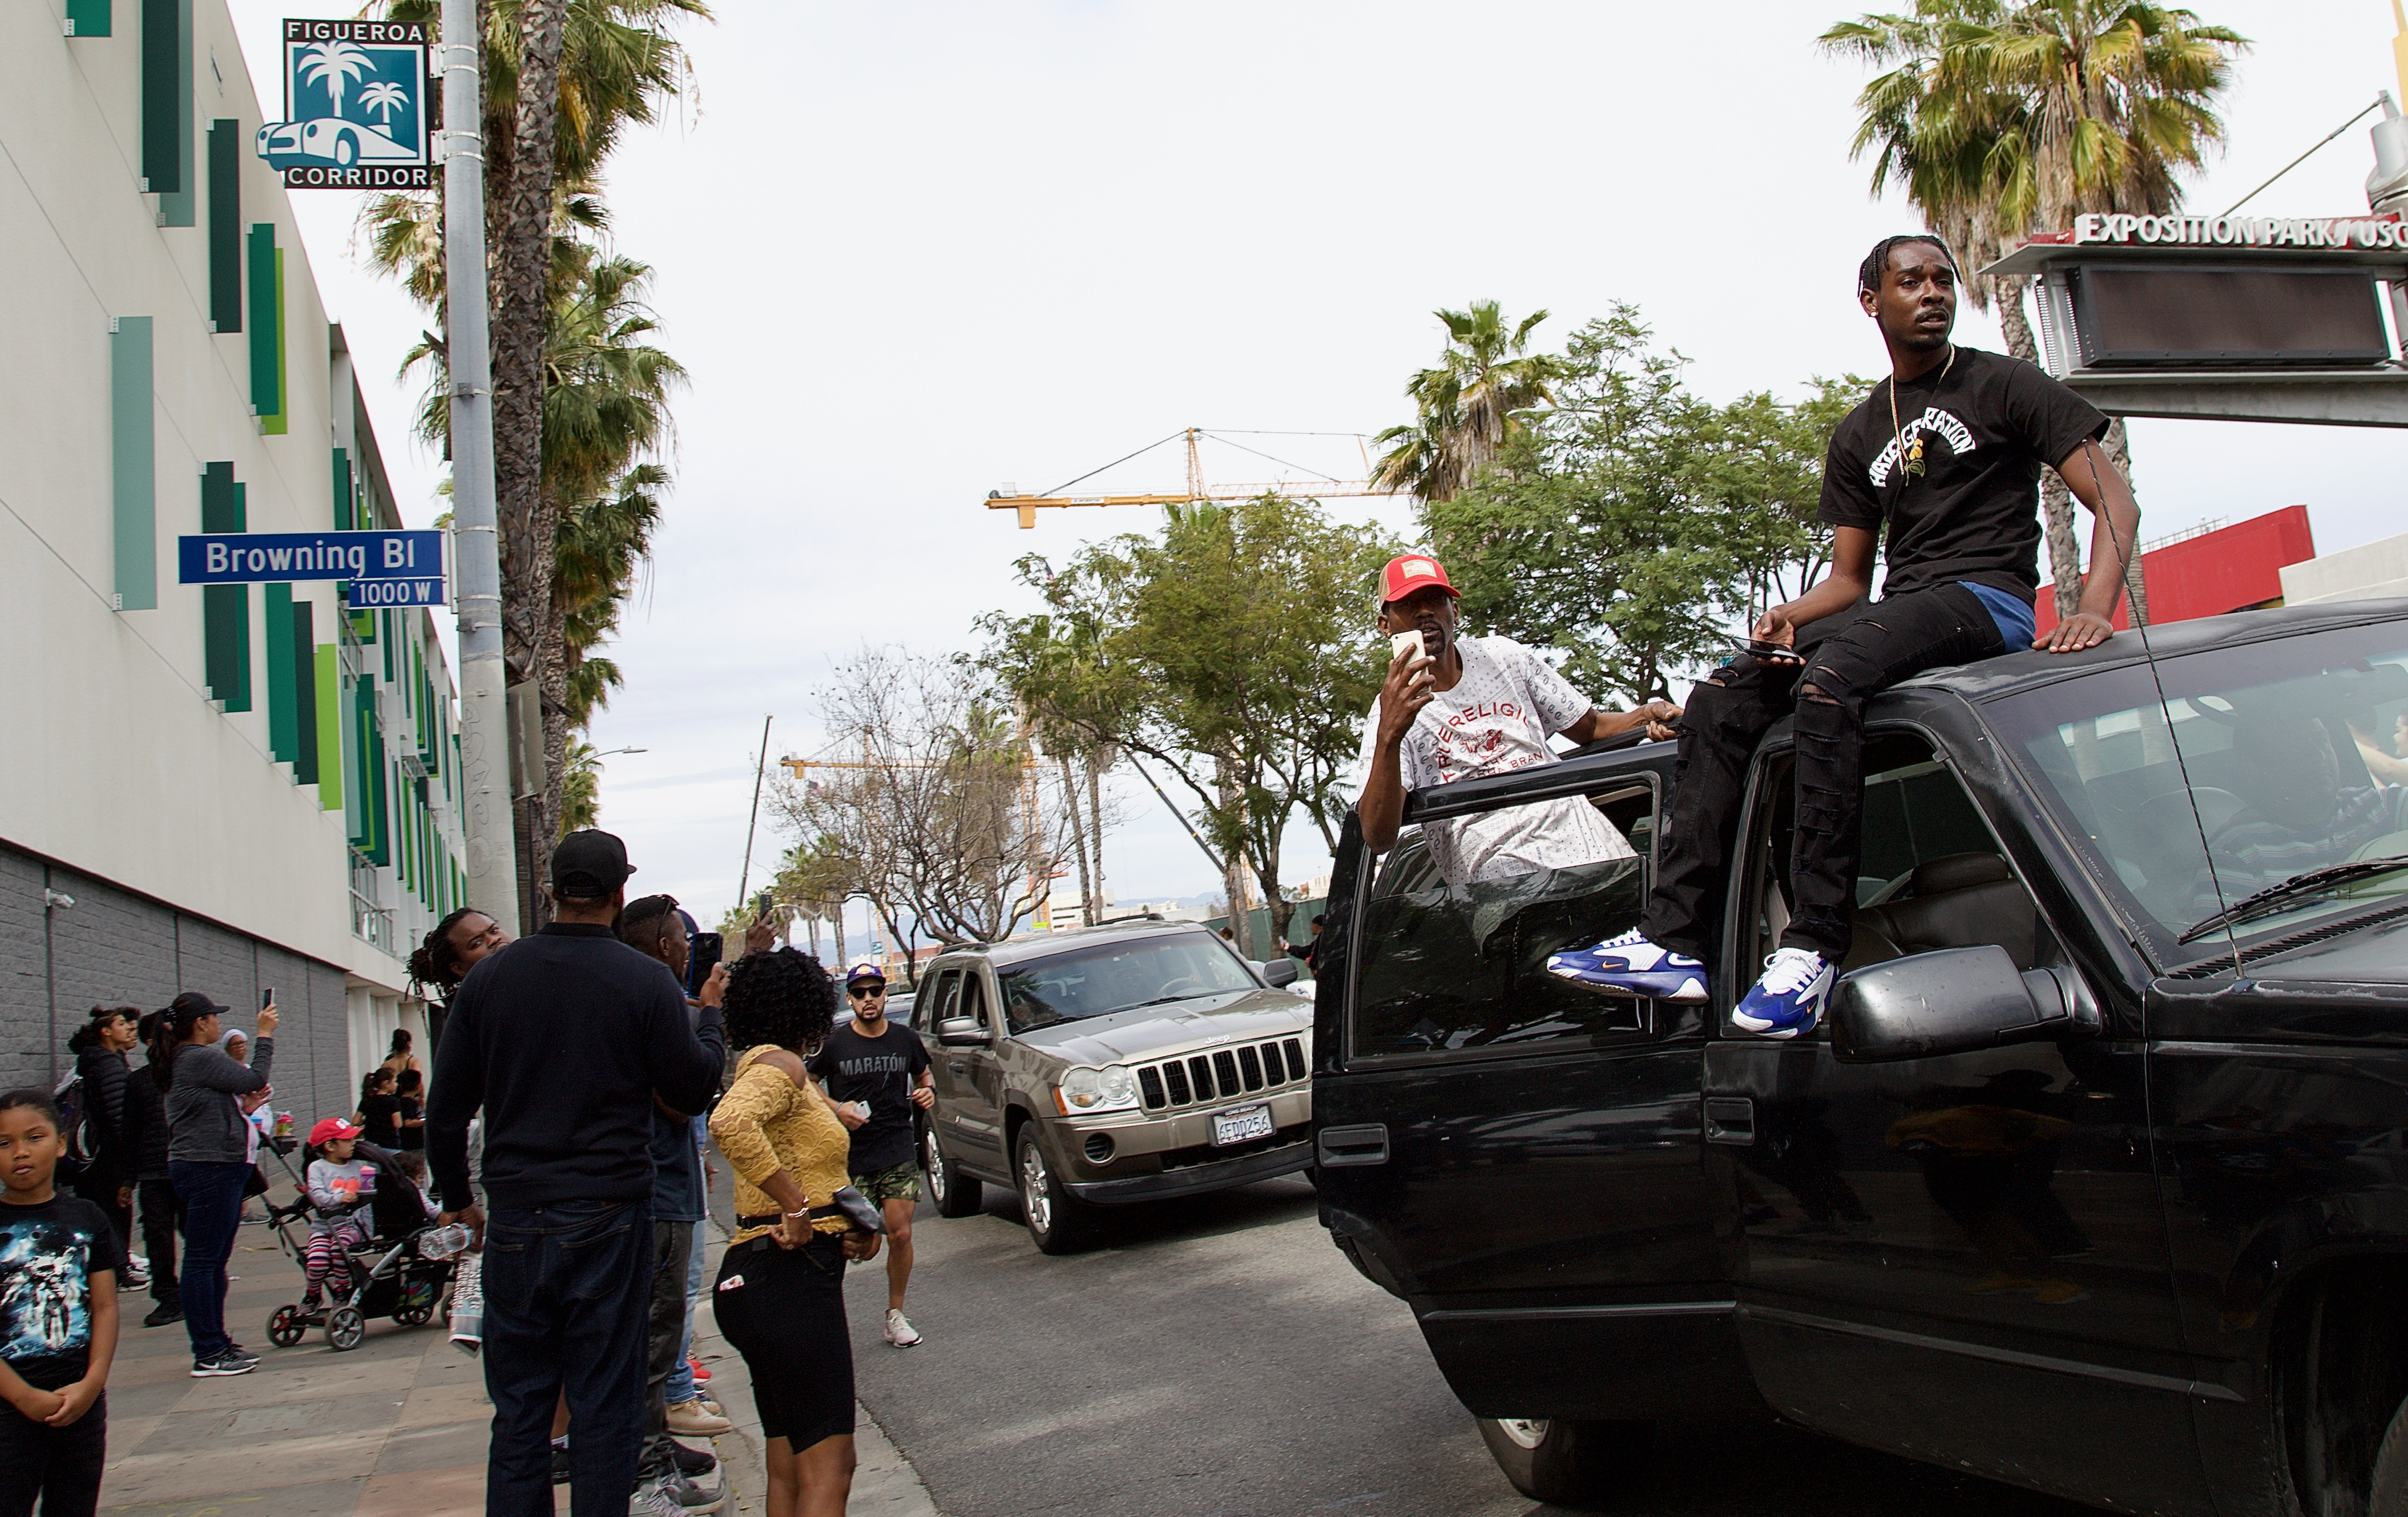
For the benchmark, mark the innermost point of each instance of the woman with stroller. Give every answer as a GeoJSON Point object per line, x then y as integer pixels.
{"type": "Point", "coordinates": [209, 1099]}
{"type": "Point", "coordinates": [342, 1185]}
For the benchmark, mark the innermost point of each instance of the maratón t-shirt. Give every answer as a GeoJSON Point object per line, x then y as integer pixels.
{"type": "Point", "coordinates": [1498, 718]}
{"type": "Point", "coordinates": [48, 1256]}
{"type": "Point", "coordinates": [1987, 425]}
{"type": "Point", "coordinates": [881, 1071]}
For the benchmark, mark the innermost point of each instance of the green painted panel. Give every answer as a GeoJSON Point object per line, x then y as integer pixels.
{"type": "Point", "coordinates": [225, 644]}
{"type": "Point", "coordinates": [166, 95]}
{"type": "Point", "coordinates": [342, 492]}
{"type": "Point", "coordinates": [359, 743]}
{"type": "Point", "coordinates": [275, 426]}
{"type": "Point", "coordinates": [267, 397]}
{"type": "Point", "coordinates": [90, 18]}
{"type": "Point", "coordinates": [283, 727]}
{"type": "Point", "coordinates": [305, 693]}
{"type": "Point", "coordinates": [176, 206]}
{"type": "Point", "coordinates": [225, 224]}
{"type": "Point", "coordinates": [329, 700]}
{"type": "Point", "coordinates": [132, 466]}
{"type": "Point", "coordinates": [379, 851]}
{"type": "Point", "coordinates": [222, 500]}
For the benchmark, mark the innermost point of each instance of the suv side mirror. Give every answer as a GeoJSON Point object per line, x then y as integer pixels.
{"type": "Point", "coordinates": [1955, 1000]}
{"type": "Point", "coordinates": [1279, 971]}
{"type": "Point", "coordinates": [956, 1031]}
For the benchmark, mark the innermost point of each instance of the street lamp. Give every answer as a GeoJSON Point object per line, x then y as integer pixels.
{"type": "Point", "coordinates": [610, 753]}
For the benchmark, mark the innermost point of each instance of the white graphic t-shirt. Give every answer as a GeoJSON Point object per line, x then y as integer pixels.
{"type": "Point", "coordinates": [1497, 718]}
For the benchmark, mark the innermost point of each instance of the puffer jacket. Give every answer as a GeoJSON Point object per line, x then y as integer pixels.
{"type": "Point", "coordinates": [205, 1123]}
{"type": "Point", "coordinates": [104, 1075]}
{"type": "Point", "coordinates": [146, 1122]}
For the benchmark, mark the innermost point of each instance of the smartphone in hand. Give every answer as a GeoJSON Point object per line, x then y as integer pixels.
{"type": "Point", "coordinates": [1409, 644]}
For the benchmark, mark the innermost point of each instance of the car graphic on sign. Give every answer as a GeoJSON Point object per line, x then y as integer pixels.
{"type": "Point", "coordinates": [329, 139]}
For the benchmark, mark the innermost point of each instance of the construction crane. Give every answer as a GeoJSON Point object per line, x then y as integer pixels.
{"type": "Point", "coordinates": [1009, 499]}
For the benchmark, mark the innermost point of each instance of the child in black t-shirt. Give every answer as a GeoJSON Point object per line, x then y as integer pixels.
{"type": "Point", "coordinates": [59, 1264]}
{"type": "Point", "coordinates": [409, 1092]}
{"type": "Point", "coordinates": [378, 1117]}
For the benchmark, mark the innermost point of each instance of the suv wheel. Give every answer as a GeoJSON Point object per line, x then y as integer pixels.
{"type": "Point", "coordinates": [2388, 1497]}
{"type": "Point", "coordinates": [1570, 1464]}
{"type": "Point", "coordinates": [957, 1195]}
{"type": "Point", "coordinates": [1056, 1222]}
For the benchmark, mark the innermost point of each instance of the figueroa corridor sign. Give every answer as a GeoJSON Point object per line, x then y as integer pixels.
{"type": "Point", "coordinates": [355, 108]}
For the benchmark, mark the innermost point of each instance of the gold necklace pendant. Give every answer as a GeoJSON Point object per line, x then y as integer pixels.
{"type": "Point", "coordinates": [1914, 464]}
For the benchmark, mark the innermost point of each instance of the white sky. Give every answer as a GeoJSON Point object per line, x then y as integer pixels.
{"type": "Point", "coordinates": [909, 252]}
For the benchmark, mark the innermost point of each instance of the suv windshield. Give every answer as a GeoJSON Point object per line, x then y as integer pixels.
{"type": "Point", "coordinates": [2264, 763]}
{"type": "Point", "coordinates": [1113, 977]}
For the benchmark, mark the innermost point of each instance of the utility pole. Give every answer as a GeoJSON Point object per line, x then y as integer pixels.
{"type": "Point", "coordinates": [477, 562]}
{"type": "Point", "coordinates": [745, 883]}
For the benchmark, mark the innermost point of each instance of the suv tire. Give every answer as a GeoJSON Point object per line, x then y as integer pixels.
{"type": "Point", "coordinates": [2388, 1495]}
{"type": "Point", "coordinates": [1570, 1464]}
{"type": "Point", "coordinates": [1056, 1222]}
{"type": "Point", "coordinates": [957, 1195]}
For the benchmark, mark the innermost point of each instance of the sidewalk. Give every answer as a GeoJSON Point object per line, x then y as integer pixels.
{"type": "Point", "coordinates": [394, 1428]}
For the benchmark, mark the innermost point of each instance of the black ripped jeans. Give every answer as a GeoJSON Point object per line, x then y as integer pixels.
{"type": "Point", "coordinates": [1849, 656]}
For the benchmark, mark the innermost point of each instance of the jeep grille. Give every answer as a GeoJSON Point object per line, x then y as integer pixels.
{"type": "Point", "coordinates": [1222, 1075]}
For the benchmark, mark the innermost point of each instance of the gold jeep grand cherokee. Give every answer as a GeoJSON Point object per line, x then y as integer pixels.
{"type": "Point", "coordinates": [1121, 1064]}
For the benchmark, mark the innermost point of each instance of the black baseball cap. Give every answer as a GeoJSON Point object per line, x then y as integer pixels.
{"type": "Point", "coordinates": [190, 1007]}
{"type": "Point", "coordinates": [589, 865]}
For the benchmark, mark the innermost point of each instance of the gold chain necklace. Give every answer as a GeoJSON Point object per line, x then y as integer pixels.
{"type": "Point", "coordinates": [1910, 461]}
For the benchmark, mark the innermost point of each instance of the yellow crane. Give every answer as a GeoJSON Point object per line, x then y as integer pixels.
{"type": "Point", "coordinates": [1008, 499]}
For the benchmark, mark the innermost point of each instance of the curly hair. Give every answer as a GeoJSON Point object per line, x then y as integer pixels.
{"type": "Point", "coordinates": [783, 997]}
{"type": "Point", "coordinates": [435, 961]}
{"type": "Point", "coordinates": [1869, 273]}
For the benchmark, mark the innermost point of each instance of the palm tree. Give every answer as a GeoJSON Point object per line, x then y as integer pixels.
{"type": "Point", "coordinates": [382, 99]}
{"type": "Point", "coordinates": [1467, 406]}
{"type": "Point", "coordinates": [335, 65]}
{"type": "Point", "coordinates": [581, 799]}
{"type": "Point", "coordinates": [2000, 118]}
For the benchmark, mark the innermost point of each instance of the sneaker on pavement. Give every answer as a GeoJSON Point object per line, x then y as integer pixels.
{"type": "Point", "coordinates": [692, 1420]}
{"type": "Point", "coordinates": [713, 1408]}
{"type": "Point", "coordinates": [224, 1363]}
{"type": "Point", "coordinates": [651, 1501]}
{"type": "Point", "coordinates": [696, 1368]}
{"type": "Point", "coordinates": [1630, 965]}
{"type": "Point", "coordinates": [693, 1464]}
{"type": "Point", "coordinates": [686, 1493]}
{"type": "Point", "coordinates": [1790, 997]}
{"type": "Point", "coordinates": [163, 1314]}
{"type": "Point", "coordinates": [900, 1330]}
{"type": "Point", "coordinates": [135, 1280]}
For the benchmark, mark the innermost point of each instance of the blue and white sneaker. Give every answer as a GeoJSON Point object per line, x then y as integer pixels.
{"type": "Point", "coordinates": [1633, 966]}
{"type": "Point", "coordinates": [1790, 998]}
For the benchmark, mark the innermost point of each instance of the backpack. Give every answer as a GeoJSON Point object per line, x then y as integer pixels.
{"type": "Point", "coordinates": [74, 1123]}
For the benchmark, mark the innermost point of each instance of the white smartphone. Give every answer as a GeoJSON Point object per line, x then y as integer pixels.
{"type": "Point", "coordinates": [1408, 642]}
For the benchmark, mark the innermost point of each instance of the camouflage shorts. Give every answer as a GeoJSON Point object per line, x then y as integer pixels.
{"type": "Point", "coordinates": [900, 1184]}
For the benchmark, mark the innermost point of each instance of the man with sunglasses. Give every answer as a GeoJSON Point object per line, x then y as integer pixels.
{"type": "Point", "coordinates": [877, 1073]}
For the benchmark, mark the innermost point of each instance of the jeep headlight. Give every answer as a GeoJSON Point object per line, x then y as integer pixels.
{"type": "Point", "coordinates": [1109, 1089]}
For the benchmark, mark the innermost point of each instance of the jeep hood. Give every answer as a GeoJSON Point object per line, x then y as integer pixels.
{"type": "Point", "coordinates": [1148, 1032]}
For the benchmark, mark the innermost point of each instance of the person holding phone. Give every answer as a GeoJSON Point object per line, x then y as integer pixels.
{"type": "Point", "coordinates": [1938, 468]}
{"type": "Point", "coordinates": [1459, 707]}
{"type": "Point", "coordinates": [209, 1100]}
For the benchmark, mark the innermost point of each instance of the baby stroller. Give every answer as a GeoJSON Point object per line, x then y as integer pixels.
{"type": "Point", "coordinates": [402, 1272]}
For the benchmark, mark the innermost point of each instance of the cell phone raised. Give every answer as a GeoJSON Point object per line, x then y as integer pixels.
{"type": "Point", "coordinates": [761, 906]}
{"type": "Point", "coordinates": [1770, 653]}
{"type": "Point", "coordinates": [1410, 645]}
{"type": "Point", "coordinates": [268, 998]}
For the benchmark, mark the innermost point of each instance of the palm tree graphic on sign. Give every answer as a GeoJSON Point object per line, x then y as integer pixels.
{"type": "Point", "coordinates": [382, 99]}
{"type": "Point", "coordinates": [335, 65]}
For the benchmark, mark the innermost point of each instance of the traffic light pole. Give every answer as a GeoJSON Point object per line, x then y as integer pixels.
{"type": "Point", "coordinates": [476, 565]}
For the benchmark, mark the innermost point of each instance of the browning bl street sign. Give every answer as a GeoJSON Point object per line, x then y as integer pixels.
{"type": "Point", "coordinates": [355, 108]}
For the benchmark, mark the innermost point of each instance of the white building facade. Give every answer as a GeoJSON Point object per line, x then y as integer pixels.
{"type": "Point", "coordinates": [240, 788]}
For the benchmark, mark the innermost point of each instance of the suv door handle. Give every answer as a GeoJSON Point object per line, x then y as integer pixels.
{"type": "Point", "coordinates": [1731, 1119]}
{"type": "Point", "coordinates": [1337, 1147]}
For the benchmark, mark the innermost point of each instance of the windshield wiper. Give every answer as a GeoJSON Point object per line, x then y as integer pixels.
{"type": "Point", "coordinates": [1164, 1000]}
{"type": "Point", "coordinates": [2268, 901]}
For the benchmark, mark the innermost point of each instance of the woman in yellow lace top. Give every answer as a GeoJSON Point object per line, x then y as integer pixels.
{"type": "Point", "coordinates": [781, 1291]}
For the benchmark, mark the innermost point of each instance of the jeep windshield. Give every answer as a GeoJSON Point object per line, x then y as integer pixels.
{"type": "Point", "coordinates": [1117, 977]}
{"type": "Point", "coordinates": [2266, 769]}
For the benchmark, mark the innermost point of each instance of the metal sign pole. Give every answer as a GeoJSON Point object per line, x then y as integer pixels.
{"type": "Point", "coordinates": [484, 726]}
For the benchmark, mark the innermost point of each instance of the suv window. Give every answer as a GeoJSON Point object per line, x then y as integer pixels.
{"type": "Point", "coordinates": [1446, 968]}
{"type": "Point", "coordinates": [941, 999]}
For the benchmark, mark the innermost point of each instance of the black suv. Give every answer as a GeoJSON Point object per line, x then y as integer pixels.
{"type": "Point", "coordinates": [2096, 1180]}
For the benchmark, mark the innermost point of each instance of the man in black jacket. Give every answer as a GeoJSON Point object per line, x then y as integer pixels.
{"type": "Point", "coordinates": [564, 1039]}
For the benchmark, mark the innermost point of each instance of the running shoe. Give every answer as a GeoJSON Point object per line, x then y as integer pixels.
{"type": "Point", "coordinates": [900, 1330]}
{"type": "Point", "coordinates": [696, 1368]}
{"type": "Point", "coordinates": [686, 1493]}
{"type": "Point", "coordinates": [1790, 998]}
{"type": "Point", "coordinates": [651, 1501]}
{"type": "Point", "coordinates": [164, 1313]}
{"type": "Point", "coordinates": [1630, 965]}
{"type": "Point", "coordinates": [693, 1464]}
{"type": "Point", "coordinates": [223, 1363]}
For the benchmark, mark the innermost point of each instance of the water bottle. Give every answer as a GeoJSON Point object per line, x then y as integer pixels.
{"type": "Point", "coordinates": [443, 1242]}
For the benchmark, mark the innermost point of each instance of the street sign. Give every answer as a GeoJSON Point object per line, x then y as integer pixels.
{"type": "Point", "coordinates": [385, 568]}
{"type": "Point", "coordinates": [355, 108]}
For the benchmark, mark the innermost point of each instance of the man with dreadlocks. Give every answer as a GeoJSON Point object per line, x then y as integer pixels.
{"type": "Point", "coordinates": [1938, 468]}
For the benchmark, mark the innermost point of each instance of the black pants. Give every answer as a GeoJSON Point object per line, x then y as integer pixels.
{"type": "Point", "coordinates": [163, 1216]}
{"type": "Point", "coordinates": [566, 1291]}
{"type": "Point", "coordinates": [784, 1312]}
{"type": "Point", "coordinates": [60, 1466]}
{"type": "Point", "coordinates": [672, 1252]}
{"type": "Point", "coordinates": [1849, 656]}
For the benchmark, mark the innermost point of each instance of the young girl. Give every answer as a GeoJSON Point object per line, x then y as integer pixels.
{"type": "Point", "coordinates": [58, 1319]}
{"type": "Point", "coordinates": [339, 1187]}
{"type": "Point", "coordinates": [378, 1117]}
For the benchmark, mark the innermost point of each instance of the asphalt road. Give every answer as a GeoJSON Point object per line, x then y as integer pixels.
{"type": "Point", "coordinates": [1218, 1357]}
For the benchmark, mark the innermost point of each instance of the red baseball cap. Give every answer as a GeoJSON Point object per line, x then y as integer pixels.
{"type": "Point", "coordinates": [332, 1130]}
{"type": "Point", "coordinates": [1414, 571]}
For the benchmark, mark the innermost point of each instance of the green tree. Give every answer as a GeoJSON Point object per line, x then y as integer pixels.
{"type": "Point", "coordinates": [2000, 118]}
{"type": "Point", "coordinates": [1467, 408]}
{"type": "Point", "coordinates": [580, 795]}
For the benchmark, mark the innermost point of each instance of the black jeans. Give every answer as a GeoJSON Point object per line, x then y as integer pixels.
{"type": "Point", "coordinates": [672, 1252]}
{"type": "Point", "coordinates": [162, 1216]}
{"type": "Point", "coordinates": [213, 1197]}
{"type": "Point", "coordinates": [1849, 656]}
{"type": "Point", "coordinates": [60, 1466]}
{"type": "Point", "coordinates": [567, 1288]}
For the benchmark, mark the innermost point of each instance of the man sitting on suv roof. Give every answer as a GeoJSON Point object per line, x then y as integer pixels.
{"type": "Point", "coordinates": [1487, 706]}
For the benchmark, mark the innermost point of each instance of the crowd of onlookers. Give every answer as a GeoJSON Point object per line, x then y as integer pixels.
{"type": "Point", "coordinates": [576, 1082]}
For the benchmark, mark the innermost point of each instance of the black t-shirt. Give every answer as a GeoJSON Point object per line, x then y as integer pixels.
{"type": "Point", "coordinates": [48, 1256]}
{"type": "Point", "coordinates": [380, 1121]}
{"type": "Point", "coordinates": [412, 1137]}
{"type": "Point", "coordinates": [1988, 427]}
{"type": "Point", "coordinates": [880, 1070]}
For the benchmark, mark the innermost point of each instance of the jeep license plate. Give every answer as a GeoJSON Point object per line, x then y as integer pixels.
{"type": "Point", "coordinates": [1242, 1125]}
